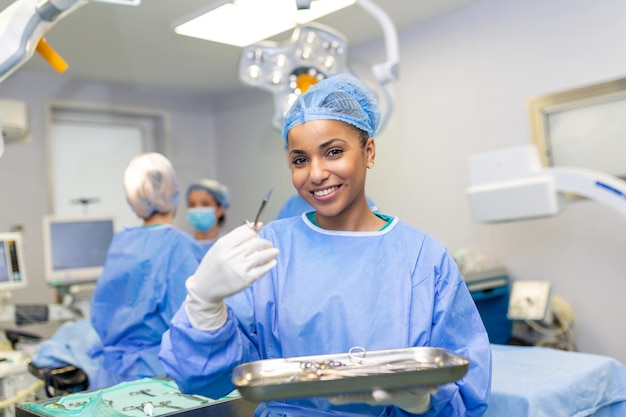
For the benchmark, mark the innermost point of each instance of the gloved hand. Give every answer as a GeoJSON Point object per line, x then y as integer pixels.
{"type": "Point", "coordinates": [234, 262]}
{"type": "Point", "coordinates": [415, 400]}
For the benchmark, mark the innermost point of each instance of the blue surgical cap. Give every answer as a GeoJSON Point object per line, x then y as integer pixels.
{"type": "Point", "coordinates": [341, 97]}
{"type": "Point", "coordinates": [150, 184]}
{"type": "Point", "coordinates": [218, 191]}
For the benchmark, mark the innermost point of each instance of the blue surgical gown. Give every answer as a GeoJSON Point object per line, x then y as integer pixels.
{"type": "Point", "coordinates": [206, 244]}
{"type": "Point", "coordinates": [333, 290]}
{"type": "Point", "coordinates": [141, 287]}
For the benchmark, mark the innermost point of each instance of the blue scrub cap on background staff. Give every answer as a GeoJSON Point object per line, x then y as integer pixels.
{"type": "Point", "coordinates": [150, 184]}
{"type": "Point", "coordinates": [341, 97]}
{"type": "Point", "coordinates": [219, 192]}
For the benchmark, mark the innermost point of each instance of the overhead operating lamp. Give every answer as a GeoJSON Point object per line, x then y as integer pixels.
{"type": "Point", "coordinates": [314, 52]}
{"type": "Point", "coordinates": [23, 25]}
{"type": "Point", "coordinates": [510, 184]}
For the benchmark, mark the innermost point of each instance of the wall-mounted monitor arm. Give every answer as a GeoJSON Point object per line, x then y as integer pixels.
{"type": "Point", "coordinates": [510, 184]}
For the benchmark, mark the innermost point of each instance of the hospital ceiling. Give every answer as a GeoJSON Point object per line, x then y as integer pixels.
{"type": "Point", "coordinates": [136, 45]}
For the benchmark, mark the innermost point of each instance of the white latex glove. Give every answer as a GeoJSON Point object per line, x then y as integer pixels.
{"type": "Point", "coordinates": [234, 262]}
{"type": "Point", "coordinates": [416, 400]}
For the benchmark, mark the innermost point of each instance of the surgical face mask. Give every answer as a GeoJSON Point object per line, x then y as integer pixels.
{"type": "Point", "coordinates": [202, 218]}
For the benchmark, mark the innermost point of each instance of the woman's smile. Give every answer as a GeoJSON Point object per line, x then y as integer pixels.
{"type": "Point", "coordinates": [325, 192]}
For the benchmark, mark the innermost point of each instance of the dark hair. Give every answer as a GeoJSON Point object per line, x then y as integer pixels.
{"type": "Point", "coordinates": [222, 219]}
{"type": "Point", "coordinates": [363, 136]}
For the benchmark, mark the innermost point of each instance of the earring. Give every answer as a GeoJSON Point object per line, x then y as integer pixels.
{"type": "Point", "coordinates": [370, 165]}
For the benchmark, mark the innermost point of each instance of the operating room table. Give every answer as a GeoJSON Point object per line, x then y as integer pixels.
{"type": "Point", "coordinates": [531, 381]}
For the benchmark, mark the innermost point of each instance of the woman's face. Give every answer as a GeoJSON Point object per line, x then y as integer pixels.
{"type": "Point", "coordinates": [201, 198]}
{"type": "Point", "coordinates": [328, 164]}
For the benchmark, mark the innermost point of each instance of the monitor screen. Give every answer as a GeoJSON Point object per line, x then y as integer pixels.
{"type": "Point", "coordinates": [75, 248]}
{"type": "Point", "coordinates": [12, 271]}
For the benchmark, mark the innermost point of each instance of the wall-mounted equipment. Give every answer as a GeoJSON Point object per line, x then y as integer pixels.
{"type": "Point", "coordinates": [510, 184]}
{"type": "Point", "coordinates": [12, 266]}
{"type": "Point", "coordinates": [75, 248]}
{"type": "Point", "coordinates": [530, 300]}
{"type": "Point", "coordinates": [14, 120]}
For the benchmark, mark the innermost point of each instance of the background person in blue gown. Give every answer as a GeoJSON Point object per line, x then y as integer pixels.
{"type": "Point", "coordinates": [143, 281]}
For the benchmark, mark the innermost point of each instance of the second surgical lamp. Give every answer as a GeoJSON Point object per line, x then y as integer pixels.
{"type": "Point", "coordinates": [313, 52]}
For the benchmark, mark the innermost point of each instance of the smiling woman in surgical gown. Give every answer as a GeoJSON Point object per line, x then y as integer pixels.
{"type": "Point", "coordinates": [331, 279]}
{"type": "Point", "coordinates": [143, 281]}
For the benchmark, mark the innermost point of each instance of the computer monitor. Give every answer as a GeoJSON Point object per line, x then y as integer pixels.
{"type": "Point", "coordinates": [75, 248]}
{"type": "Point", "coordinates": [12, 269]}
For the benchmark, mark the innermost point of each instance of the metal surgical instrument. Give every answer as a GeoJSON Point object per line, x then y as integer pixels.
{"type": "Point", "coordinates": [263, 204]}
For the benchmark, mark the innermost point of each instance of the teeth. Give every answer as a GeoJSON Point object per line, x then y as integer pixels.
{"type": "Point", "coordinates": [327, 191]}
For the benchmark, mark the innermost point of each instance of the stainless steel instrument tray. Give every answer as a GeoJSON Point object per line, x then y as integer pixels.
{"type": "Point", "coordinates": [352, 373]}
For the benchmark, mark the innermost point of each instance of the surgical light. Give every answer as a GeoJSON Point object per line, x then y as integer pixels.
{"type": "Point", "coordinates": [23, 25]}
{"type": "Point", "coordinates": [314, 52]}
{"type": "Point", "coordinates": [288, 69]}
{"type": "Point", "coordinates": [244, 22]}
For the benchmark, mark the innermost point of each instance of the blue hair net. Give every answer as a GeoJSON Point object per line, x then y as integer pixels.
{"type": "Point", "coordinates": [218, 191]}
{"type": "Point", "coordinates": [150, 184]}
{"type": "Point", "coordinates": [341, 97]}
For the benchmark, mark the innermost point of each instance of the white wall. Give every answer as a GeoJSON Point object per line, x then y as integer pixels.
{"type": "Point", "coordinates": [465, 81]}
{"type": "Point", "coordinates": [23, 170]}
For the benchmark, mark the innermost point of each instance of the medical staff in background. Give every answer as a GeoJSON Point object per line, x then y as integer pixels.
{"type": "Point", "coordinates": [143, 281]}
{"type": "Point", "coordinates": [338, 277]}
{"type": "Point", "coordinates": [207, 202]}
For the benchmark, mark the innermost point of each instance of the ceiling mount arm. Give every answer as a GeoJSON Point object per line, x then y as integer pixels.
{"type": "Point", "coordinates": [23, 25]}
{"type": "Point", "coordinates": [385, 71]}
